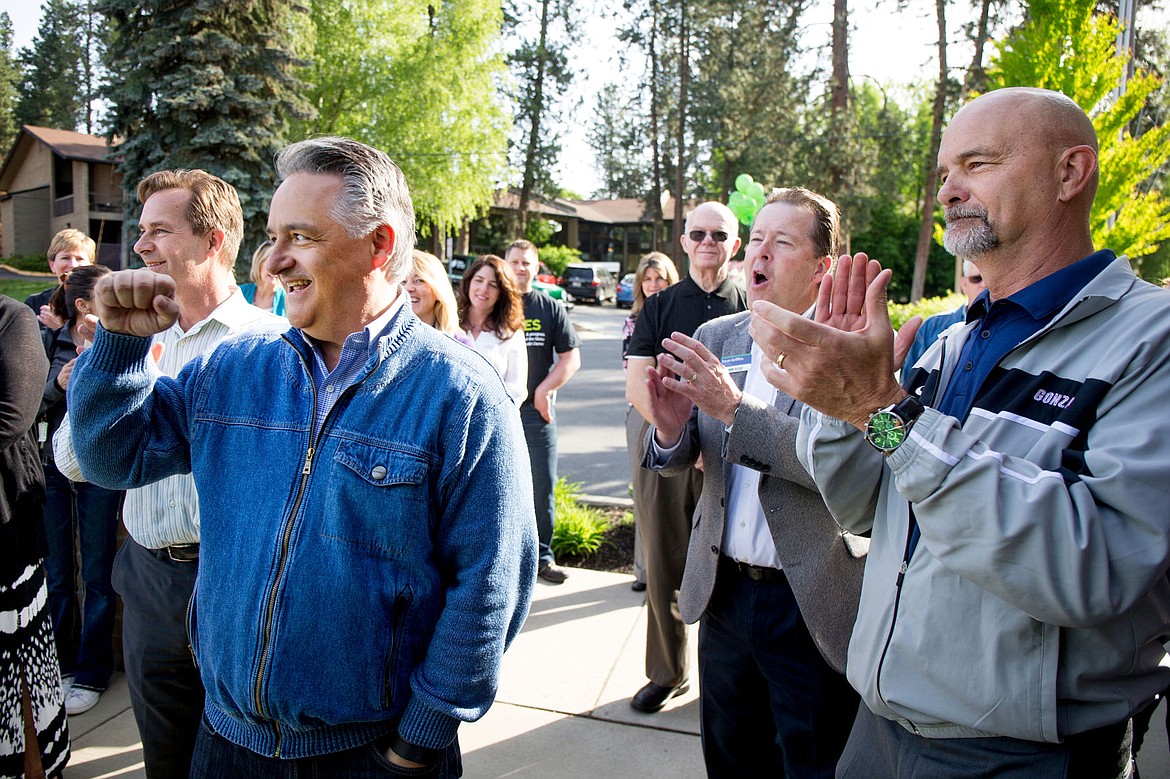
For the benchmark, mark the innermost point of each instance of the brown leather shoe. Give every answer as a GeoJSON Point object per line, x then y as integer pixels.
{"type": "Point", "coordinates": [552, 573]}
{"type": "Point", "coordinates": [653, 697]}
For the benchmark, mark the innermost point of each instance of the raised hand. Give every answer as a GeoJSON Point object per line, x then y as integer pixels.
{"type": "Point", "coordinates": [842, 363]}
{"type": "Point", "coordinates": [705, 381]}
{"type": "Point", "coordinates": [136, 302]}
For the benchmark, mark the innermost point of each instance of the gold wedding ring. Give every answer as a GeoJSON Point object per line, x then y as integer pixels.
{"type": "Point", "coordinates": [780, 362]}
{"type": "Point", "coordinates": [694, 377]}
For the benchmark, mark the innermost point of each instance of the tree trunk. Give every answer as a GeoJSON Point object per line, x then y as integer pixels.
{"type": "Point", "coordinates": [655, 152]}
{"type": "Point", "coordinates": [930, 186]}
{"type": "Point", "coordinates": [976, 80]}
{"type": "Point", "coordinates": [839, 178]}
{"type": "Point", "coordinates": [534, 126]}
{"type": "Point", "coordinates": [680, 259]}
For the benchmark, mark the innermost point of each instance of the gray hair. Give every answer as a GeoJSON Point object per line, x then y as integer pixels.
{"type": "Point", "coordinates": [373, 192]}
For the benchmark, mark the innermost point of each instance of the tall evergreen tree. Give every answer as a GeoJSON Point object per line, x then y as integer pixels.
{"type": "Point", "coordinates": [542, 71]}
{"type": "Point", "coordinates": [52, 92]}
{"type": "Point", "coordinates": [9, 84]}
{"type": "Point", "coordinates": [203, 84]}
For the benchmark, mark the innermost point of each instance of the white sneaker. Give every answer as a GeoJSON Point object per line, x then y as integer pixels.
{"type": "Point", "coordinates": [66, 685]}
{"type": "Point", "coordinates": [81, 700]}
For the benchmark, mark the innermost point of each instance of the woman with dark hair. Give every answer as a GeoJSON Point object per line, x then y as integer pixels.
{"type": "Point", "coordinates": [77, 514]}
{"type": "Point", "coordinates": [655, 273]}
{"type": "Point", "coordinates": [491, 312]}
{"type": "Point", "coordinates": [34, 733]}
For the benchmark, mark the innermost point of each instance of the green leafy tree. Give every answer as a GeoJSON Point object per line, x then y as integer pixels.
{"type": "Point", "coordinates": [10, 77]}
{"type": "Point", "coordinates": [52, 92]}
{"type": "Point", "coordinates": [1067, 46]}
{"type": "Point", "coordinates": [203, 84]}
{"type": "Point", "coordinates": [419, 80]}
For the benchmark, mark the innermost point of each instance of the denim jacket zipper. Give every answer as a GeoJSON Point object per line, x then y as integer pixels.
{"type": "Point", "coordinates": [286, 536]}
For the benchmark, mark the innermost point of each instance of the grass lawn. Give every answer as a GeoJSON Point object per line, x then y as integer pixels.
{"type": "Point", "coordinates": [21, 289]}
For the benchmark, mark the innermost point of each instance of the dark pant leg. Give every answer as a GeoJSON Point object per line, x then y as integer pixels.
{"type": "Point", "coordinates": [770, 703]}
{"type": "Point", "coordinates": [61, 566]}
{"type": "Point", "coordinates": [541, 437]}
{"type": "Point", "coordinates": [216, 757]}
{"type": "Point", "coordinates": [165, 689]}
{"type": "Point", "coordinates": [97, 531]}
{"type": "Point", "coordinates": [665, 506]}
{"type": "Point", "coordinates": [879, 747]}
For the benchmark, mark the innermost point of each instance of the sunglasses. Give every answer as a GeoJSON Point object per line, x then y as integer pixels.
{"type": "Point", "coordinates": [698, 236]}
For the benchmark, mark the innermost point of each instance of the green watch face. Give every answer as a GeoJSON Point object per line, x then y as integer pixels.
{"type": "Point", "coordinates": [886, 431]}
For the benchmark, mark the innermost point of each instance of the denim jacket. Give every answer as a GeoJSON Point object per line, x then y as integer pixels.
{"type": "Point", "coordinates": [353, 579]}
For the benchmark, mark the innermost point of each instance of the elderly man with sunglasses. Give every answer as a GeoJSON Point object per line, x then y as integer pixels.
{"type": "Point", "coordinates": [664, 505]}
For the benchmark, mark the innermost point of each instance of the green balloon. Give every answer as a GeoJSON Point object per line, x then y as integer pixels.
{"type": "Point", "coordinates": [736, 200]}
{"type": "Point", "coordinates": [756, 191]}
{"type": "Point", "coordinates": [742, 182]}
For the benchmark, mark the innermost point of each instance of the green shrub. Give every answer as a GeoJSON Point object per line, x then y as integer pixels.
{"type": "Point", "coordinates": [37, 263]}
{"type": "Point", "coordinates": [580, 529]}
{"type": "Point", "coordinates": [925, 307]}
{"type": "Point", "coordinates": [557, 257]}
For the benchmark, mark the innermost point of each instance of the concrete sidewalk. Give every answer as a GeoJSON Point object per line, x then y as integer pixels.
{"type": "Point", "coordinates": [562, 709]}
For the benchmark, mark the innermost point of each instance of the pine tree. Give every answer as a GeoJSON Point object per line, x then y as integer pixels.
{"type": "Point", "coordinates": [52, 92]}
{"type": "Point", "coordinates": [204, 84]}
{"type": "Point", "coordinates": [10, 76]}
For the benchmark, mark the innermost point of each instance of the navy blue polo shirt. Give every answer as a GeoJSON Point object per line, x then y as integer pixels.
{"type": "Point", "coordinates": [1005, 324]}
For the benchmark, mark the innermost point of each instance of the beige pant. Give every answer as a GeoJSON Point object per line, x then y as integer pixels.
{"type": "Point", "coordinates": [664, 507]}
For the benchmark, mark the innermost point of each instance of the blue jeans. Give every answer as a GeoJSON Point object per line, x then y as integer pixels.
{"type": "Point", "coordinates": [542, 452]}
{"type": "Point", "coordinates": [83, 634]}
{"type": "Point", "coordinates": [217, 757]}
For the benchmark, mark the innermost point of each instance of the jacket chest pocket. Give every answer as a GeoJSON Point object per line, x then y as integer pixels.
{"type": "Point", "coordinates": [376, 501]}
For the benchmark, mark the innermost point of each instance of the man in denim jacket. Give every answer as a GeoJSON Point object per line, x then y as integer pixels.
{"type": "Point", "coordinates": [368, 538]}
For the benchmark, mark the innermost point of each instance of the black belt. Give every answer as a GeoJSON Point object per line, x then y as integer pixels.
{"type": "Point", "coordinates": [757, 573]}
{"type": "Point", "coordinates": [179, 553]}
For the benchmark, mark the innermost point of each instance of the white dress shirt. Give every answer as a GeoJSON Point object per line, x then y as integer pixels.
{"type": "Point", "coordinates": [166, 513]}
{"type": "Point", "coordinates": [509, 356]}
{"type": "Point", "coordinates": [746, 535]}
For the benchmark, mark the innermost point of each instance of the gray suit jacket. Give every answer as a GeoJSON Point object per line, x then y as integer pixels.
{"type": "Point", "coordinates": [823, 563]}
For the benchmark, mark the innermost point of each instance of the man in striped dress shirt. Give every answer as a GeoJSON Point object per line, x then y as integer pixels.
{"type": "Point", "coordinates": [191, 229]}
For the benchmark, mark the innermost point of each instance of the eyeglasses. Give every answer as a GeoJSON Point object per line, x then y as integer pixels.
{"type": "Point", "coordinates": [698, 236]}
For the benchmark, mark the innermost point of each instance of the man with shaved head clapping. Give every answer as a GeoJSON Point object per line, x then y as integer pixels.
{"type": "Point", "coordinates": [1015, 601]}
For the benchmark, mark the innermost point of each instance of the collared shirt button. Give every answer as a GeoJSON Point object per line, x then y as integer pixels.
{"type": "Point", "coordinates": [969, 366]}
{"type": "Point", "coordinates": [378, 473]}
{"type": "Point", "coordinates": [329, 388]}
{"type": "Point", "coordinates": [714, 549]}
{"type": "Point", "coordinates": [173, 504]}
{"type": "Point", "coordinates": [986, 334]}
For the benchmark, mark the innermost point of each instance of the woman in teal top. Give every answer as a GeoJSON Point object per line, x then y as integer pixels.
{"type": "Point", "coordinates": [264, 292]}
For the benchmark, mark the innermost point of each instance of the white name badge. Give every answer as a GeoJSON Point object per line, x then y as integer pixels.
{"type": "Point", "coordinates": [737, 363]}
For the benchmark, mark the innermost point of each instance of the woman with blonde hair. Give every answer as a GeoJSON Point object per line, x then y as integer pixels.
{"type": "Point", "coordinates": [492, 312]}
{"type": "Point", "coordinates": [264, 292]}
{"type": "Point", "coordinates": [655, 273]}
{"type": "Point", "coordinates": [431, 295]}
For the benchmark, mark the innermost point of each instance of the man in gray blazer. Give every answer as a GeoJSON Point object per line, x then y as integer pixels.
{"type": "Point", "coordinates": [773, 578]}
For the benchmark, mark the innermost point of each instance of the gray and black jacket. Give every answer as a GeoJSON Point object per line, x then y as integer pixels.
{"type": "Point", "coordinates": [1036, 604]}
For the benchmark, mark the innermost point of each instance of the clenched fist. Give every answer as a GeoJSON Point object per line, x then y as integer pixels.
{"type": "Point", "coordinates": [136, 302]}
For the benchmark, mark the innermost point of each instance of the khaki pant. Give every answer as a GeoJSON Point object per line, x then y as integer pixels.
{"type": "Point", "coordinates": [664, 507]}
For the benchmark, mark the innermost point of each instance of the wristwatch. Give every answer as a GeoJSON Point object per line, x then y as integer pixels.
{"type": "Point", "coordinates": [888, 427]}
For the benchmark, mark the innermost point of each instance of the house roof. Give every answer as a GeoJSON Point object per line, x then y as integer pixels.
{"type": "Point", "coordinates": [628, 210]}
{"type": "Point", "coordinates": [64, 143]}
{"type": "Point", "coordinates": [71, 145]}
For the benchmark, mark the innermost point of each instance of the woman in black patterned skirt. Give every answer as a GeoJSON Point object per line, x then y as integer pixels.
{"type": "Point", "coordinates": [34, 737]}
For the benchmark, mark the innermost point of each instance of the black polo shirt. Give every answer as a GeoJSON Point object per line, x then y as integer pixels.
{"type": "Point", "coordinates": [682, 307]}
